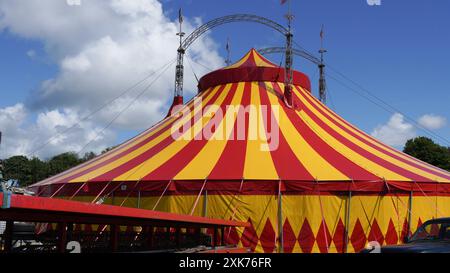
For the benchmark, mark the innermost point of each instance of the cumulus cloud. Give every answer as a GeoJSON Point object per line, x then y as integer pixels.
{"type": "Point", "coordinates": [23, 138]}
{"type": "Point", "coordinates": [101, 47]}
{"type": "Point", "coordinates": [432, 122]}
{"type": "Point", "coordinates": [395, 132]}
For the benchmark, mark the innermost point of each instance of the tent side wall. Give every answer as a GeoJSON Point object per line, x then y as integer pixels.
{"type": "Point", "coordinates": [311, 223]}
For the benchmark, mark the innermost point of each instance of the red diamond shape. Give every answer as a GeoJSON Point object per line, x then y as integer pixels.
{"type": "Point", "coordinates": [358, 237]}
{"type": "Point", "coordinates": [419, 223]}
{"type": "Point", "coordinates": [434, 230]}
{"type": "Point", "coordinates": [339, 237]}
{"type": "Point", "coordinates": [323, 238]}
{"type": "Point", "coordinates": [289, 239]}
{"type": "Point", "coordinates": [249, 237]}
{"type": "Point", "coordinates": [268, 238]}
{"type": "Point", "coordinates": [231, 236]}
{"type": "Point", "coordinates": [405, 229]}
{"type": "Point", "coordinates": [391, 234]}
{"type": "Point", "coordinates": [375, 233]}
{"type": "Point", "coordinates": [306, 237]}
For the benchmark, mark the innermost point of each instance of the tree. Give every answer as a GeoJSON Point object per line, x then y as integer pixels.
{"type": "Point", "coordinates": [30, 171]}
{"type": "Point", "coordinates": [426, 150]}
{"type": "Point", "coordinates": [17, 168]}
{"type": "Point", "coordinates": [39, 170]}
{"type": "Point", "coordinates": [108, 149]}
{"type": "Point", "coordinates": [63, 162]}
{"type": "Point", "coordinates": [88, 156]}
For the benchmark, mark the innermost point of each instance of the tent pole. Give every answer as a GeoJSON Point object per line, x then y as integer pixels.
{"type": "Point", "coordinates": [139, 200]}
{"type": "Point", "coordinates": [198, 197]}
{"type": "Point", "coordinates": [78, 190]}
{"type": "Point", "coordinates": [159, 199]}
{"type": "Point", "coordinates": [410, 205]}
{"type": "Point", "coordinates": [347, 220]}
{"type": "Point", "coordinates": [280, 220]}
{"type": "Point", "coordinates": [205, 204]}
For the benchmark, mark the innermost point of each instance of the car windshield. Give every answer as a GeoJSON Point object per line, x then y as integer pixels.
{"type": "Point", "coordinates": [432, 231]}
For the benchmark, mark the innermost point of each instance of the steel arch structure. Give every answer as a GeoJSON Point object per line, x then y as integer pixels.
{"type": "Point", "coordinates": [298, 52]}
{"type": "Point", "coordinates": [309, 57]}
{"type": "Point", "coordinates": [231, 19]}
{"type": "Point", "coordinates": [186, 43]}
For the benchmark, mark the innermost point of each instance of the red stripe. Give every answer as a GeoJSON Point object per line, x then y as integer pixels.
{"type": "Point", "coordinates": [230, 165]}
{"type": "Point", "coordinates": [361, 151]}
{"type": "Point", "coordinates": [125, 152]}
{"type": "Point", "coordinates": [337, 160]}
{"type": "Point", "coordinates": [250, 62]}
{"type": "Point", "coordinates": [110, 175]}
{"type": "Point", "coordinates": [142, 142]}
{"type": "Point", "coordinates": [310, 100]}
{"type": "Point", "coordinates": [176, 164]}
{"type": "Point", "coordinates": [286, 162]}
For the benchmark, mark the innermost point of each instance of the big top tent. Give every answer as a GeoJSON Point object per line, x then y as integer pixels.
{"type": "Point", "coordinates": [306, 179]}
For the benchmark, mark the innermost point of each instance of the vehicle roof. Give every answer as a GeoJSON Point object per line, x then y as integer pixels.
{"type": "Point", "coordinates": [446, 219]}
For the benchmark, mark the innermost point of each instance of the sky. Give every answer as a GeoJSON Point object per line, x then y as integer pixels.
{"type": "Point", "coordinates": [61, 60]}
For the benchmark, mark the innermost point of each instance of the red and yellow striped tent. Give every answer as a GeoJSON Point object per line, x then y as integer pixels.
{"type": "Point", "coordinates": [306, 179]}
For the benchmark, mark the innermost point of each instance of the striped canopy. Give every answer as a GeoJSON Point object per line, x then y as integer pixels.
{"type": "Point", "coordinates": [254, 136]}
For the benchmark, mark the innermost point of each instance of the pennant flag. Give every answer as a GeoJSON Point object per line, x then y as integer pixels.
{"type": "Point", "coordinates": [322, 33]}
{"type": "Point", "coordinates": [283, 1]}
{"type": "Point", "coordinates": [180, 16]}
{"type": "Point", "coordinates": [228, 45]}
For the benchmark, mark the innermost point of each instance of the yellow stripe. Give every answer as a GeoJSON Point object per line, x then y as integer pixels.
{"type": "Point", "coordinates": [261, 62]}
{"type": "Point", "coordinates": [317, 166]}
{"type": "Point", "coordinates": [240, 62]}
{"type": "Point", "coordinates": [349, 153]}
{"type": "Point", "coordinates": [202, 165]}
{"type": "Point", "coordinates": [258, 163]}
{"type": "Point", "coordinates": [163, 156]}
{"type": "Point", "coordinates": [365, 146]}
{"type": "Point", "coordinates": [365, 136]}
{"type": "Point", "coordinates": [101, 170]}
{"type": "Point", "coordinates": [122, 147]}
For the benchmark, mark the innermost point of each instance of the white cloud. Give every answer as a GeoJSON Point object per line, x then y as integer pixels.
{"type": "Point", "coordinates": [395, 132]}
{"type": "Point", "coordinates": [102, 47]}
{"type": "Point", "coordinates": [432, 122]}
{"type": "Point", "coordinates": [23, 138]}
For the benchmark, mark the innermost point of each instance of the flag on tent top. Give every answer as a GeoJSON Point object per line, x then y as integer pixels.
{"type": "Point", "coordinates": [180, 16]}
{"type": "Point", "coordinates": [322, 33]}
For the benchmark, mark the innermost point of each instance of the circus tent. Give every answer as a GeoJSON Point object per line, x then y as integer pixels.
{"type": "Point", "coordinates": [306, 179]}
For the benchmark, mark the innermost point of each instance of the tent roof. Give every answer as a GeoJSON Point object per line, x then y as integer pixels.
{"type": "Point", "coordinates": [313, 144]}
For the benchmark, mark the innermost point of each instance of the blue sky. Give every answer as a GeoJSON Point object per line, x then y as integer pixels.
{"type": "Point", "coordinates": [398, 51]}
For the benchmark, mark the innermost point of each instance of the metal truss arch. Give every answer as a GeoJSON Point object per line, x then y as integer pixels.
{"type": "Point", "coordinates": [298, 52]}
{"type": "Point", "coordinates": [186, 43]}
{"type": "Point", "coordinates": [231, 19]}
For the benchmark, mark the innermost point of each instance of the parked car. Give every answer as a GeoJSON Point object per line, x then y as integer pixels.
{"type": "Point", "coordinates": [432, 237]}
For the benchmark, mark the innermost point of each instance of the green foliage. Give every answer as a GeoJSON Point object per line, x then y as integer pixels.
{"type": "Point", "coordinates": [17, 167]}
{"type": "Point", "coordinates": [29, 171]}
{"type": "Point", "coordinates": [426, 150]}
{"type": "Point", "coordinates": [63, 162]}
{"type": "Point", "coordinates": [108, 149]}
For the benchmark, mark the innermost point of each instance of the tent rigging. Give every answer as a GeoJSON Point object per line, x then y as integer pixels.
{"type": "Point", "coordinates": [321, 162]}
